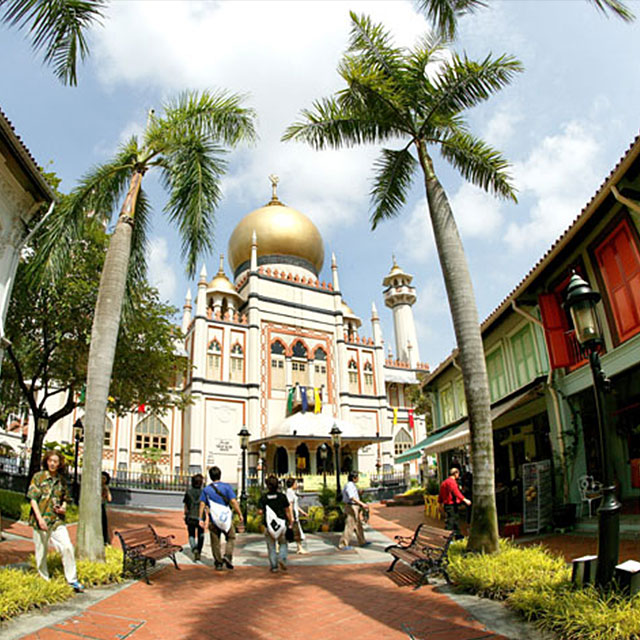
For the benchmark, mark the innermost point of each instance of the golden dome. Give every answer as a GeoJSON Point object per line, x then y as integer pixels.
{"type": "Point", "coordinates": [348, 313]}
{"type": "Point", "coordinates": [280, 231]}
{"type": "Point", "coordinates": [396, 271]}
{"type": "Point", "coordinates": [220, 282]}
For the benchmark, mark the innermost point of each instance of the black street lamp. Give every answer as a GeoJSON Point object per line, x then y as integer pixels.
{"type": "Point", "coordinates": [581, 301]}
{"type": "Point", "coordinates": [244, 444]}
{"type": "Point", "coordinates": [78, 430]}
{"type": "Point", "coordinates": [324, 452]}
{"type": "Point", "coordinates": [336, 439]}
{"type": "Point", "coordinates": [263, 462]}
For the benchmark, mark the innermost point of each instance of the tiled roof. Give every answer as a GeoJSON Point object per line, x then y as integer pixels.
{"type": "Point", "coordinates": [587, 211]}
{"type": "Point", "coordinates": [24, 157]}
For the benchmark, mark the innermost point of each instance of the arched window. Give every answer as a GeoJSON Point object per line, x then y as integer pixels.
{"type": "Point", "coordinates": [320, 368]}
{"type": "Point", "coordinates": [214, 360]}
{"type": "Point", "coordinates": [277, 365]}
{"type": "Point", "coordinates": [108, 433]}
{"type": "Point", "coordinates": [401, 442]}
{"type": "Point", "coordinates": [151, 432]}
{"type": "Point", "coordinates": [368, 377]}
{"type": "Point", "coordinates": [353, 376]}
{"type": "Point", "coordinates": [237, 363]}
{"type": "Point", "coordinates": [392, 393]}
{"type": "Point", "coordinates": [299, 364]}
{"type": "Point", "coordinates": [224, 307]}
{"type": "Point", "coordinates": [281, 461]}
{"type": "Point", "coordinates": [302, 459]}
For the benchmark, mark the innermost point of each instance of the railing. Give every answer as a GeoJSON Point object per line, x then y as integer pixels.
{"type": "Point", "coordinates": [125, 479]}
{"type": "Point", "coordinates": [387, 479]}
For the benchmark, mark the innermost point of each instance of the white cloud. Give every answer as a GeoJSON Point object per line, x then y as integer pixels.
{"type": "Point", "coordinates": [560, 175]}
{"type": "Point", "coordinates": [501, 127]}
{"type": "Point", "coordinates": [259, 49]}
{"type": "Point", "coordinates": [162, 273]}
{"type": "Point", "coordinates": [417, 241]}
{"type": "Point", "coordinates": [477, 212]}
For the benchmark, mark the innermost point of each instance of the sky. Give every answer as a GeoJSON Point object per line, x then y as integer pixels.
{"type": "Point", "coordinates": [563, 124]}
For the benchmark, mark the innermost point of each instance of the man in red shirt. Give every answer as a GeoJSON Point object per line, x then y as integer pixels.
{"type": "Point", "coordinates": [450, 496]}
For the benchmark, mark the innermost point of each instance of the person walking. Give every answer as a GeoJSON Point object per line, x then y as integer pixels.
{"type": "Point", "coordinates": [48, 495]}
{"type": "Point", "coordinates": [218, 498]}
{"type": "Point", "coordinates": [106, 498]}
{"type": "Point", "coordinates": [354, 510]}
{"type": "Point", "coordinates": [191, 501]}
{"type": "Point", "coordinates": [450, 497]}
{"type": "Point", "coordinates": [294, 501]}
{"type": "Point", "coordinates": [275, 510]}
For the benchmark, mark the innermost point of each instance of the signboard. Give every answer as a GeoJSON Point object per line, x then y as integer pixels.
{"type": "Point", "coordinates": [223, 445]}
{"type": "Point", "coordinates": [537, 499]}
{"type": "Point", "coordinates": [211, 459]}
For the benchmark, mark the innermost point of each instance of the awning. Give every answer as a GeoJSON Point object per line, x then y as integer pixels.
{"type": "Point", "coordinates": [460, 435]}
{"type": "Point", "coordinates": [456, 435]}
{"type": "Point", "coordinates": [400, 376]}
{"type": "Point", "coordinates": [416, 451]}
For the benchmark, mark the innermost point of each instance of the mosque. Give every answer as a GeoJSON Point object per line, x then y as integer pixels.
{"type": "Point", "coordinates": [274, 350]}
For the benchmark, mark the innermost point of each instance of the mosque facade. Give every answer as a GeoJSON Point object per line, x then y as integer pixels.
{"type": "Point", "coordinates": [276, 351]}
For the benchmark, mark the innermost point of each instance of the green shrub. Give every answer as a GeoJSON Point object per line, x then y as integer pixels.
{"type": "Point", "coordinates": [414, 491]}
{"type": "Point", "coordinates": [327, 498]}
{"type": "Point", "coordinates": [336, 520]}
{"type": "Point", "coordinates": [21, 591]}
{"type": "Point", "coordinates": [433, 488]}
{"type": "Point", "coordinates": [500, 574]}
{"type": "Point", "coordinates": [11, 504]}
{"type": "Point", "coordinates": [254, 522]}
{"type": "Point", "coordinates": [314, 521]}
{"type": "Point", "coordinates": [579, 614]}
{"type": "Point", "coordinates": [70, 518]}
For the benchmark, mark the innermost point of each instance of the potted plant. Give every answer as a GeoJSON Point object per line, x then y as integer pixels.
{"type": "Point", "coordinates": [512, 527]}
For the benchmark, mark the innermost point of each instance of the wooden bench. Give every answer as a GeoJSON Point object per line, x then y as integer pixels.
{"type": "Point", "coordinates": [425, 552]}
{"type": "Point", "coordinates": [143, 546]}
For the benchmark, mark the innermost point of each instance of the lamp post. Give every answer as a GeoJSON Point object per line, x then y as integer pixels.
{"type": "Point", "coordinates": [244, 443]}
{"type": "Point", "coordinates": [581, 301]}
{"type": "Point", "coordinates": [336, 439]}
{"type": "Point", "coordinates": [78, 430]}
{"type": "Point", "coordinates": [324, 452]}
{"type": "Point", "coordinates": [263, 462]}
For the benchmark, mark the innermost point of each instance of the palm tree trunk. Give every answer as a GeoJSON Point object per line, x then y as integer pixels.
{"type": "Point", "coordinates": [455, 270]}
{"type": "Point", "coordinates": [104, 337]}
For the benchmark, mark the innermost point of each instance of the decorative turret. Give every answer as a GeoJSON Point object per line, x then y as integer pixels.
{"type": "Point", "coordinates": [334, 272]}
{"type": "Point", "coordinates": [375, 325]}
{"type": "Point", "coordinates": [399, 296]}
{"type": "Point", "coordinates": [201, 300]}
{"type": "Point", "coordinates": [222, 296]}
{"type": "Point", "coordinates": [186, 312]}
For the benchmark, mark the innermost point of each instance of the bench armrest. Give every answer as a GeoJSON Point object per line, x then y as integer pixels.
{"type": "Point", "coordinates": [403, 541]}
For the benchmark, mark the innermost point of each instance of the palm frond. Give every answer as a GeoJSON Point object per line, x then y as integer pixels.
{"type": "Point", "coordinates": [217, 115]}
{"type": "Point", "coordinates": [444, 14]}
{"type": "Point", "coordinates": [478, 163]}
{"type": "Point", "coordinates": [191, 172]}
{"type": "Point", "coordinates": [394, 172]}
{"type": "Point", "coordinates": [464, 83]}
{"type": "Point", "coordinates": [98, 195]}
{"type": "Point", "coordinates": [57, 27]}
{"type": "Point", "coordinates": [616, 7]}
{"type": "Point", "coordinates": [329, 126]}
{"type": "Point", "coordinates": [373, 45]}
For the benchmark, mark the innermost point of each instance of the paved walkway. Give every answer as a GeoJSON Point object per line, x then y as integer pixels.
{"type": "Point", "coordinates": [326, 595]}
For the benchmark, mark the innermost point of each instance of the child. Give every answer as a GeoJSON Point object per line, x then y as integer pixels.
{"type": "Point", "coordinates": [191, 502]}
{"type": "Point", "coordinates": [293, 498]}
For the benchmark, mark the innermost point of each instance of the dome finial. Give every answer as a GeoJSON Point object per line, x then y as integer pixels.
{"type": "Point", "coordinates": [221, 269]}
{"type": "Point", "coordinates": [274, 188]}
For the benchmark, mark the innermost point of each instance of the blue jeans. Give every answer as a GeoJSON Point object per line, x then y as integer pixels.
{"type": "Point", "coordinates": [271, 550]}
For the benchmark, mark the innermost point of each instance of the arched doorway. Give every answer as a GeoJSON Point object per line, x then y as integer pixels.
{"type": "Point", "coordinates": [281, 462]}
{"type": "Point", "coordinates": [346, 462]}
{"type": "Point", "coordinates": [325, 465]}
{"type": "Point", "coordinates": [302, 459]}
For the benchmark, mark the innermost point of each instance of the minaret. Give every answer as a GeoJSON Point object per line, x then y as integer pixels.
{"type": "Point", "coordinates": [201, 300]}
{"type": "Point", "coordinates": [375, 326]}
{"type": "Point", "coordinates": [334, 272]}
{"type": "Point", "coordinates": [400, 296]}
{"type": "Point", "coordinates": [186, 312]}
{"type": "Point", "coordinates": [254, 252]}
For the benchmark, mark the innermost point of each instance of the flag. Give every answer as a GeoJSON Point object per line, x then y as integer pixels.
{"type": "Point", "coordinates": [290, 400]}
{"type": "Point", "coordinates": [305, 401]}
{"type": "Point", "coordinates": [317, 407]}
{"type": "Point", "coordinates": [142, 408]}
{"type": "Point", "coordinates": [411, 423]}
{"type": "Point", "coordinates": [395, 416]}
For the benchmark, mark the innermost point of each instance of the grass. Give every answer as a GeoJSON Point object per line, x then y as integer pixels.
{"type": "Point", "coordinates": [14, 505]}
{"type": "Point", "coordinates": [537, 584]}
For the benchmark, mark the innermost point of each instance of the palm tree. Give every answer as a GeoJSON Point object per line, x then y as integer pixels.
{"type": "Point", "coordinates": [444, 14]}
{"type": "Point", "coordinates": [186, 146]}
{"type": "Point", "coordinates": [56, 27]}
{"type": "Point", "coordinates": [417, 96]}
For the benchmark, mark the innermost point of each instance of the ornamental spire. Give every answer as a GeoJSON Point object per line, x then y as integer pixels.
{"type": "Point", "coordinates": [274, 179]}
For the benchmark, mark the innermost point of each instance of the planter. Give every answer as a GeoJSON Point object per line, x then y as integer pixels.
{"type": "Point", "coordinates": [324, 527]}
{"type": "Point", "coordinates": [513, 530]}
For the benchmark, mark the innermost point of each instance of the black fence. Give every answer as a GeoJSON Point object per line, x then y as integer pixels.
{"type": "Point", "coordinates": [151, 480]}
{"type": "Point", "coordinates": [387, 479]}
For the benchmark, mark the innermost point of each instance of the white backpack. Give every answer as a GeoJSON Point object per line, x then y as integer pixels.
{"type": "Point", "coordinates": [275, 526]}
{"type": "Point", "coordinates": [220, 513]}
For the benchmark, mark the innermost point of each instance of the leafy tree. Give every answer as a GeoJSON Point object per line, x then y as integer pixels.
{"type": "Point", "coordinates": [417, 96]}
{"type": "Point", "coordinates": [186, 146]}
{"type": "Point", "coordinates": [421, 404]}
{"type": "Point", "coordinates": [444, 14]}
{"type": "Point", "coordinates": [57, 28]}
{"type": "Point", "coordinates": [49, 329]}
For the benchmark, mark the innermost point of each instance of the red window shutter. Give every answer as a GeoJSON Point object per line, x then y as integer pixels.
{"type": "Point", "coordinates": [619, 263]}
{"type": "Point", "coordinates": [556, 330]}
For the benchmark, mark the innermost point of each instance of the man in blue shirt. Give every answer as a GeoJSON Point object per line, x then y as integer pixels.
{"type": "Point", "coordinates": [220, 498]}
{"type": "Point", "coordinates": [353, 508]}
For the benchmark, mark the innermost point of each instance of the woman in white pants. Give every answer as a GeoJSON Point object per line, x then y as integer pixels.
{"type": "Point", "coordinates": [48, 496]}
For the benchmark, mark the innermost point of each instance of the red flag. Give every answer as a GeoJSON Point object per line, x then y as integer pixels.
{"type": "Point", "coordinates": [411, 423]}
{"type": "Point", "coordinates": [142, 408]}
